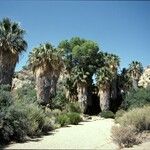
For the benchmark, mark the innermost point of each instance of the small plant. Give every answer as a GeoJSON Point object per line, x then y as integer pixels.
{"type": "Point", "coordinates": [74, 118]}
{"type": "Point", "coordinates": [124, 136]}
{"type": "Point", "coordinates": [73, 107]}
{"type": "Point", "coordinates": [59, 101]}
{"type": "Point", "coordinates": [137, 98]}
{"type": "Point", "coordinates": [107, 114]}
{"type": "Point", "coordinates": [119, 113]}
{"type": "Point", "coordinates": [63, 120]}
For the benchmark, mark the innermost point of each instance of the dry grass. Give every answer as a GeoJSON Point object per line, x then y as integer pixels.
{"type": "Point", "coordinates": [138, 117]}
{"type": "Point", "coordinates": [125, 136]}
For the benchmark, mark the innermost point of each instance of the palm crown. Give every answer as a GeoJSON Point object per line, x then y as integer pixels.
{"type": "Point", "coordinates": [45, 54]}
{"type": "Point", "coordinates": [135, 69]}
{"type": "Point", "coordinates": [11, 37]}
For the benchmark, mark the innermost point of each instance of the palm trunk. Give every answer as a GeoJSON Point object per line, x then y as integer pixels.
{"type": "Point", "coordinates": [7, 67]}
{"type": "Point", "coordinates": [43, 85]}
{"type": "Point", "coordinates": [54, 80]}
{"type": "Point", "coordinates": [104, 99]}
{"type": "Point", "coordinates": [134, 83]}
{"type": "Point", "coordinates": [82, 96]}
{"type": "Point", "coordinates": [114, 89]}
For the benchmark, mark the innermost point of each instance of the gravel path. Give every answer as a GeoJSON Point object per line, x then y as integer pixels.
{"type": "Point", "coordinates": [93, 134]}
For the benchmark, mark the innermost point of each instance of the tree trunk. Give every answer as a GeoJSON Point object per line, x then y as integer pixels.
{"type": "Point", "coordinates": [114, 89]}
{"type": "Point", "coordinates": [54, 80]}
{"type": "Point", "coordinates": [82, 96]}
{"type": "Point", "coordinates": [7, 67]}
{"type": "Point", "coordinates": [134, 83]}
{"type": "Point", "coordinates": [43, 85]}
{"type": "Point", "coordinates": [104, 99]}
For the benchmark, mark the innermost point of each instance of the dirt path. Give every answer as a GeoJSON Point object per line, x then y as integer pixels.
{"type": "Point", "coordinates": [93, 134]}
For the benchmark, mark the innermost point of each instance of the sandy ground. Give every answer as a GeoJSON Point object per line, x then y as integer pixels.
{"type": "Point", "coordinates": [93, 134]}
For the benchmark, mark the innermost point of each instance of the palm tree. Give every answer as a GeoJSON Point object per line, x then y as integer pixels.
{"type": "Point", "coordinates": [124, 81]}
{"type": "Point", "coordinates": [58, 65]}
{"type": "Point", "coordinates": [113, 63]}
{"type": "Point", "coordinates": [45, 63]}
{"type": "Point", "coordinates": [81, 81]}
{"type": "Point", "coordinates": [12, 44]}
{"type": "Point", "coordinates": [104, 78]}
{"type": "Point", "coordinates": [135, 70]}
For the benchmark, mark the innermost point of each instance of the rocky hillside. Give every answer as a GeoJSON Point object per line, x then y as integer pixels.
{"type": "Point", "coordinates": [145, 78]}
{"type": "Point", "coordinates": [22, 77]}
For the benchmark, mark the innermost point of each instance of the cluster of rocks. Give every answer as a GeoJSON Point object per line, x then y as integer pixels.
{"type": "Point", "coordinates": [145, 78]}
{"type": "Point", "coordinates": [22, 77]}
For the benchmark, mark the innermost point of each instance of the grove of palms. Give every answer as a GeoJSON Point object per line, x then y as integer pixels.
{"type": "Point", "coordinates": [77, 59]}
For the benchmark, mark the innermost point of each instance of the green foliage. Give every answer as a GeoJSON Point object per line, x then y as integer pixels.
{"type": "Point", "coordinates": [81, 59]}
{"type": "Point", "coordinates": [63, 120]}
{"type": "Point", "coordinates": [5, 97]}
{"type": "Point", "coordinates": [19, 118]}
{"type": "Point", "coordinates": [138, 117]}
{"type": "Point", "coordinates": [69, 118]}
{"type": "Point", "coordinates": [74, 118]}
{"type": "Point", "coordinates": [59, 101]}
{"type": "Point", "coordinates": [45, 55]}
{"type": "Point", "coordinates": [12, 37]}
{"type": "Point", "coordinates": [107, 114]}
{"type": "Point", "coordinates": [137, 98]}
{"type": "Point", "coordinates": [73, 107]}
{"type": "Point", "coordinates": [124, 136]}
{"type": "Point", "coordinates": [27, 93]}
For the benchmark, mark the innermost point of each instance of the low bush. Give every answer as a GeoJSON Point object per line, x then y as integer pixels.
{"type": "Point", "coordinates": [69, 118]}
{"type": "Point", "coordinates": [59, 101]}
{"type": "Point", "coordinates": [137, 98]}
{"type": "Point", "coordinates": [107, 114]}
{"type": "Point", "coordinates": [63, 120]}
{"type": "Point", "coordinates": [19, 119]}
{"type": "Point", "coordinates": [138, 117]}
{"type": "Point", "coordinates": [125, 136]}
{"type": "Point", "coordinates": [119, 113]}
{"type": "Point", "coordinates": [27, 93]}
{"type": "Point", "coordinates": [73, 107]}
{"type": "Point", "coordinates": [74, 118]}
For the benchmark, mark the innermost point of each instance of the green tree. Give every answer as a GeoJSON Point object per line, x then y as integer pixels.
{"type": "Point", "coordinates": [12, 44]}
{"type": "Point", "coordinates": [46, 64]}
{"type": "Point", "coordinates": [83, 59]}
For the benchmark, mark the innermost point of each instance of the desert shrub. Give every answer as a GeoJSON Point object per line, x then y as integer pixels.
{"type": "Point", "coordinates": [19, 119]}
{"type": "Point", "coordinates": [27, 93]}
{"type": "Point", "coordinates": [69, 118]}
{"type": "Point", "coordinates": [63, 120]}
{"type": "Point", "coordinates": [119, 113]}
{"type": "Point", "coordinates": [59, 101]}
{"type": "Point", "coordinates": [138, 117]}
{"type": "Point", "coordinates": [74, 118]}
{"type": "Point", "coordinates": [107, 114]}
{"type": "Point", "coordinates": [137, 98]}
{"type": "Point", "coordinates": [73, 107]}
{"type": "Point", "coordinates": [125, 136]}
{"type": "Point", "coordinates": [53, 112]}
{"type": "Point", "coordinates": [5, 97]}
{"type": "Point", "coordinates": [15, 119]}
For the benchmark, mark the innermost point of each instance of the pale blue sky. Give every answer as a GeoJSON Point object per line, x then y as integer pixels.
{"type": "Point", "coordinates": [122, 27]}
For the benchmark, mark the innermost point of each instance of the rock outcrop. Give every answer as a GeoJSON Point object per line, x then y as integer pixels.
{"type": "Point", "coordinates": [145, 78]}
{"type": "Point", "coordinates": [23, 77]}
